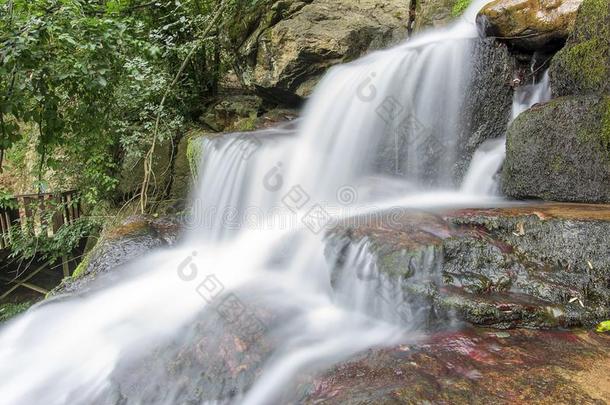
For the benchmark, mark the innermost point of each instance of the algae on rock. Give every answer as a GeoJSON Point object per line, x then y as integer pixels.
{"type": "Point", "coordinates": [583, 65]}
{"type": "Point", "coordinates": [560, 151]}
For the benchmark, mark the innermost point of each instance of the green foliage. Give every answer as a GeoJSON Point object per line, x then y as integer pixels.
{"type": "Point", "coordinates": [57, 70]}
{"type": "Point", "coordinates": [82, 266]}
{"type": "Point", "coordinates": [459, 7]}
{"type": "Point", "coordinates": [603, 327]}
{"type": "Point", "coordinates": [81, 84]}
{"type": "Point", "coordinates": [10, 310]}
{"type": "Point", "coordinates": [6, 200]}
{"type": "Point", "coordinates": [90, 77]}
{"type": "Point", "coordinates": [35, 238]}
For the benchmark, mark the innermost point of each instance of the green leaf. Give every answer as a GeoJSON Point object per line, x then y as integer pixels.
{"type": "Point", "coordinates": [603, 327]}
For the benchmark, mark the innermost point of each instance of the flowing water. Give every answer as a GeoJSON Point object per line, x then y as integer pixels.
{"type": "Point", "coordinates": [488, 159]}
{"type": "Point", "coordinates": [255, 267]}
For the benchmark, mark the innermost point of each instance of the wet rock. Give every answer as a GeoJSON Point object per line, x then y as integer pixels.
{"type": "Point", "coordinates": [290, 45]}
{"type": "Point", "coordinates": [182, 181]}
{"type": "Point", "coordinates": [529, 25]}
{"type": "Point", "coordinates": [472, 366]}
{"type": "Point", "coordinates": [489, 86]}
{"type": "Point", "coordinates": [128, 241]}
{"type": "Point", "coordinates": [132, 170]}
{"type": "Point", "coordinates": [560, 151]}
{"type": "Point", "coordinates": [541, 266]}
{"type": "Point", "coordinates": [233, 113]}
{"type": "Point", "coordinates": [583, 65]}
{"type": "Point", "coordinates": [436, 13]}
{"type": "Point", "coordinates": [208, 360]}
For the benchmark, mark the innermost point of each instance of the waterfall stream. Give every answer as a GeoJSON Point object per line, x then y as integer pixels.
{"type": "Point", "coordinates": [253, 264]}
{"type": "Point", "coordinates": [488, 159]}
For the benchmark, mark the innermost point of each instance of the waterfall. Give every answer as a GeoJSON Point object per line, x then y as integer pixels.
{"type": "Point", "coordinates": [253, 265]}
{"type": "Point", "coordinates": [487, 160]}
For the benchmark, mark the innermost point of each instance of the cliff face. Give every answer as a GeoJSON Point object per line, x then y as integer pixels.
{"type": "Point", "coordinates": [290, 44]}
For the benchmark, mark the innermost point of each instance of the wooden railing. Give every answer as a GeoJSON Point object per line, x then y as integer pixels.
{"type": "Point", "coordinates": [32, 207]}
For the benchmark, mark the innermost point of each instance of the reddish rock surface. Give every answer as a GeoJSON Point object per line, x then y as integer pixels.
{"type": "Point", "coordinates": [479, 366]}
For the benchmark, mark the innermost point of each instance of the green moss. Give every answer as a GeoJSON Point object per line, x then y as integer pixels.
{"type": "Point", "coordinates": [459, 7]}
{"type": "Point", "coordinates": [246, 124]}
{"type": "Point", "coordinates": [193, 154]}
{"type": "Point", "coordinates": [597, 128]}
{"type": "Point", "coordinates": [584, 64]}
{"type": "Point", "coordinates": [396, 264]}
{"type": "Point", "coordinates": [80, 269]}
{"type": "Point", "coordinates": [558, 164]}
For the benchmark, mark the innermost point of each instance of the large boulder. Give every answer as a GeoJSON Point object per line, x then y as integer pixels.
{"type": "Point", "coordinates": [120, 244]}
{"type": "Point", "coordinates": [286, 52]}
{"type": "Point", "coordinates": [560, 151]}
{"type": "Point", "coordinates": [583, 65]}
{"type": "Point", "coordinates": [529, 25]}
{"type": "Point", "coordinates": [132, 170]}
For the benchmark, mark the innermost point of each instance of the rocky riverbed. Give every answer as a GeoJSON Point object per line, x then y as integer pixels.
{"type": "Point", "coordinates": [473, 366]}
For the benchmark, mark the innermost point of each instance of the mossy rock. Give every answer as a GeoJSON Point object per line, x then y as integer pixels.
{"type": "Point", "coordinates": [183, 176]}
{"type": "Point", "coordinates": [560, 151]}
{"type": "Point", "coordinates": [233, 113]}
{"type": "Point", "coordinates": [437, 13]}
{"type": "Point", "coordinates": [119, 245]}
{"type": "Point", "coordinates": [535, 266]}
{"type": "Point", "coordinates": [132, 170]}
{"type": "Point", "coordinates": [583, 65]}
{"type": "Point", "coordinates": [194, 151]}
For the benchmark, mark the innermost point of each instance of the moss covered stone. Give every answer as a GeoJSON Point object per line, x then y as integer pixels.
{"type": "Point", "coordinates": [459, 7]}
{"type": "Point", "coordinates": [583, 66]}
{"type": "Point", "coordinates": [437, 13]}
{"type": "Point", "coordinates": [194, 150]}
{"type": "Point", "coordinates": [506, 267]}
{"type": "Point", "coordinates": [560, 151]}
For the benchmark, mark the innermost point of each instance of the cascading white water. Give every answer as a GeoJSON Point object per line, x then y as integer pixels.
{"type": "Point", "coordinates": [487, 160]}
{"type": "Point", "coordinates": [276, 277]}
